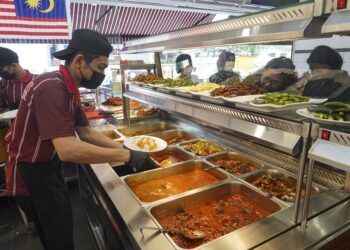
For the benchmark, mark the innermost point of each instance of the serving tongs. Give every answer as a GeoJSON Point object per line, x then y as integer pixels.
{"type": "Point", "coordinates": [188, 234]}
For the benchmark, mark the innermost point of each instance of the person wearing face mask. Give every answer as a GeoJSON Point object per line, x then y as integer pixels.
{"type": "Point", "coordinates": [326, 79]}
{"type": "Point", "coordinates": [44, 134]}
{"type": "Point", "coordinates": [184, 67]}
{"type": "Point", "coordinates": [13, 79]}
{"type": "Point", "coordinates": [225, 65]}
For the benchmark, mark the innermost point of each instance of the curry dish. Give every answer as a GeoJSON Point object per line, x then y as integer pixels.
{"type": "Point", "coordinates": [168, 158]}
{"type": "Point", "coordinates": [159, 188]}
{"type": "Point", "coordinates": [212, 219]}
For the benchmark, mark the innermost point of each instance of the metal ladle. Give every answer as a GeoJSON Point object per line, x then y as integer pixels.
{"type": "Point", "coordinates": [191, 235]}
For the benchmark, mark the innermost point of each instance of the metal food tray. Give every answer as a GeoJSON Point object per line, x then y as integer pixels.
{"type": "Point", "coordinates": [236, 155]}
{"type": "Point", "coordinates": [209, 194]}
{"type": "Point", "coordinates": [276, 173]}
{"type": "Point", "coordinates": [167, 135]}
{"type": "Point", "coordinates": [160, 156]}
{"type": "Point", "coordinates": [205, 140]}
{"type": "Point", "coordinates": [147, 128]}
{"type": "Point", "coordinates": [135, 179]}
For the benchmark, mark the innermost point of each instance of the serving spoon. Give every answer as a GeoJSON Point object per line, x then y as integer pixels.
{"type": "Point", "coordinates": [188, 234]}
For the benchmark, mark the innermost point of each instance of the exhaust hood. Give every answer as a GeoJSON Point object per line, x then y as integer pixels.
{"type": "Point", "coordinates": [281, 24]}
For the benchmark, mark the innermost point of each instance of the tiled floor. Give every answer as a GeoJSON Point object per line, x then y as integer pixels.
{"type": "Point", "coordinates": [14, 235]}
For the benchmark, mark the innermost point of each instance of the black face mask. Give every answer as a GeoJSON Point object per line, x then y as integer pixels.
{"type": "Point", "coordinates": [5, 75]}
{"type": "Point", "coordinates": [95, 80]}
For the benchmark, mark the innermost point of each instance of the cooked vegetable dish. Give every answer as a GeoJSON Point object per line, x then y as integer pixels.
{"type": "Point", "coordinates": [282, 98]}
{"type": "Point", "coordinates": [212, 219]}
{"type": "Point", "coordinates": [202, 148]}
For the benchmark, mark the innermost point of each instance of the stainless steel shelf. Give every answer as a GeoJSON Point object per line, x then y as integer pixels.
{"type": "Point", "coordinates": [273, 132]}
{"type": "Point", "coordinates": [155, 98]}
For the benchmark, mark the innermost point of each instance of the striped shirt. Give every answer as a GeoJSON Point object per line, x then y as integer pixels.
{"type": "Point", "coordinates": [11, 91]}
{"type": "Point", "coordinates": [50, 108]}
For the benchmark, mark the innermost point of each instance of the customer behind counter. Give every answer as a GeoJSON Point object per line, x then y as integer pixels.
{"type": "Point", "coordinates": [225, 65]}
{"type": "Point", "coordinates": [326, 79]}
{"type": "Point", "coordinates": [277, 75]}
{"type": "Point", "coordinates": [13, 79]}
{"type": "Point", "coordinates": [184, 67]}
{"type": "Point", "coordinates": [49, 116]}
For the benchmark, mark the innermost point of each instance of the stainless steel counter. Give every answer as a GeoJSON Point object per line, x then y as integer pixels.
{"type": "Point", "coordinates": [274, 232]}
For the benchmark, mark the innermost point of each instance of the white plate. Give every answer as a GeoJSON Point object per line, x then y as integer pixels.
{"type": "Point", "coordinates": [110, 108]}
{"type": "Point", "coordinates": [131, 143]}
{"type": "Point", "coordinates": [206, 94]}
{"type": "Point", "coordinates": [154, 85]}
{"type": "Point", "coordinates": [9, 115]}
{"type": "Point", "coordinates": [308, 114]}
{"type": "Point", "coordinates": [247, 102]}
{"type": "Point", "coordinates": [181, 89]}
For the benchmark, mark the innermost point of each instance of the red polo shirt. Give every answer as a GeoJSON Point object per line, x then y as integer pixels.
{"type": "Point", "coordinates": [11, 90]}
{"type": "Point", "coordinates": [50, 108]}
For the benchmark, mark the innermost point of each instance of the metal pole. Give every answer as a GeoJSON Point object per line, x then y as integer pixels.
{"type": "Point", "coordinates": [300, 177]}
{"type": "Point", "coordinates": [307, 195]}
{"type": "Point", "coordinates": [158, 64]}
{"type": "Point", "coordinates": [126, 109]}
{"type": "Point", "coordinates": [347, 182]}
{"type": "Point", "coordinates": [313, 133]}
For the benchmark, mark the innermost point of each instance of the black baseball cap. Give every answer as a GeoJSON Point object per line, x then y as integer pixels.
{"type": "Point", "coordinates": [7, 57]}
{"type": "Point", "coordinates": [86, 40]}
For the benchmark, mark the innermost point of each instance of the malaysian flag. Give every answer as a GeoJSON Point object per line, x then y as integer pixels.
{"type": "Point", "coordinates": [34, 19]}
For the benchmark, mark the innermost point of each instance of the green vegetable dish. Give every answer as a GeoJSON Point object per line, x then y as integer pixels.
{"type": "Point", "coordinates": [333, 111]}
{"type": "Point", "coordinates": [172, 83]}
{"type": "Point", "coordinates": [281, 99]}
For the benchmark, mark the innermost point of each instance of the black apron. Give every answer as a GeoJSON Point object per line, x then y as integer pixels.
{"type": "Point", "coordinates": [50, 200]}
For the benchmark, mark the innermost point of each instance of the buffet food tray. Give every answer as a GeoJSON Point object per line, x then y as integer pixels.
{"type": "Point", "coordinates": [171, 151]}
{"type": "Point", "coordinates": [277, 173]}
{"type": "Point", "coordinates": [222, 148]}
{"type": "Point", "coordinates": [139, 178]}
{"type": "Point", "coordinates": [238, 156]}
{"type": "Point", "coordinates": [147, 128]}
{"type": "Point", "coordinates": [210, 193]}
{"type": "Point", "coordinates": [169, 135]}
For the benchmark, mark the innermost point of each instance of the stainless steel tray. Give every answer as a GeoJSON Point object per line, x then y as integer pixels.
{"type": "Point", "coordinates": [234, 155]}
{"type": "Point", "coordinates": [135, 179]}
{"type": "Point", "coordinates": [276, 173]}
{"type": "Point", "coordinates": [209, 194]}
{"type": "Point", "coordinates": [147, 128]}
{"type": "Point", "coordinates": [196, 140]}
{"type": "Point", "coordinates": [111, 134]}
{"type": "Point", "coordinates": [170, 134]}
{"type": "Point", "coordinates": [163, 155]}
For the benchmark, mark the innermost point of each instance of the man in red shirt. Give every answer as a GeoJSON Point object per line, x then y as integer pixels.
{"type": "Point", "coordinates": [44, 133]}
{"type": "Point", "coordinates": [13, 79]}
